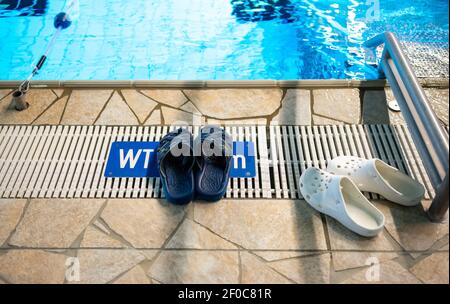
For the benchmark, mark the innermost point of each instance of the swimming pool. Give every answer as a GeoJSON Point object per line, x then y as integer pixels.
{"type": "Point", "coordinates": [210, 39]}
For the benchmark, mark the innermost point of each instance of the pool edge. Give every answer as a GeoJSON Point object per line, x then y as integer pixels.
{"type": "Point", "coordinates": [426, 82]}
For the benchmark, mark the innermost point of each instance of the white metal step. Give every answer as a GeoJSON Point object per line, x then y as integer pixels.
{"type": "Point", "coordinates": [69, 161]}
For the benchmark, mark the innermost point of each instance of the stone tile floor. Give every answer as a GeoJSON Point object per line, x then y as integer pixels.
{"type": "Point", "coordinates": [217, 106]}
{"type": "Point", "coordinates": [234, 241]}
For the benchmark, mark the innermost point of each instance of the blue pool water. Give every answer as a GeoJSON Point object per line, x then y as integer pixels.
{"type": "Point", "coordinates": [210, 39]}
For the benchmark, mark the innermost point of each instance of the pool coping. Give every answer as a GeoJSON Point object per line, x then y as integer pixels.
{"type": "Point", "coordinates": [426, 82]}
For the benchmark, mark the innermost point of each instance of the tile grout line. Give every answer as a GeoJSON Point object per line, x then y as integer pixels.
{"type": "Point", "coordinates": [4, 97]}
{"type": "Point", "coordinates": [163, 246]}
{"type": "Point", "coordinates": [77, 242]}
{"type": "Point", "coordinates": [69, 95]}
{"type": "Point", "coordinates": [218, 235]}
{"type": "Point", "coordinates": [268, 264]}
{"type": "Point", "coordinates": [159, 102]}
{"type": "Point", "coordinates": [361, 93]}
{"type": "Point", "coordinates": [103, 108]}
{"type": "Point", "coordinates": [120, 275]}
{"type": "Point", "coordinates": [277, 110]}
{"type": "Point", "coordinates": [252, 251]}
{"type": "Point", "coordinates": [334, 119]}
{"type": "Point", "coordinates": [46, 109]}
{"type": "Point", "coordinates": [6, 244]}
{"type": "Point", "coordinates": [312, 252]}
{"type": "Point", "coordinates": [57, 97]}
{"type": "Point", "coordinates": [239, 267]}
{"type": "Point", "coordinates": [113, 234]}
{"type": "Point", "coordinates": [326, 231]}
{"type": "Point", "coordinates": [129, 107]}
{"type": "Point", "coordinates": [156, 108]}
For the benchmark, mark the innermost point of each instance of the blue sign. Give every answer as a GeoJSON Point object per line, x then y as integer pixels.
{"type": "Point", "coordinates": [138, 160]}
{"type": "Point", "coordinates": [132, 159]}
{"type": "Point", "coordinates": [244, 160]}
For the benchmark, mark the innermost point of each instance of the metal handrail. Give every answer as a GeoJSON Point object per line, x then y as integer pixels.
{"type": "Point", "coordinates": [428, 134]}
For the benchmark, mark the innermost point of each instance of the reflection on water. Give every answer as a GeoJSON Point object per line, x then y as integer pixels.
{"type": "Point", "coordinates": [15, 8]}
{"type": "Point", "coordinates": [256, 10]}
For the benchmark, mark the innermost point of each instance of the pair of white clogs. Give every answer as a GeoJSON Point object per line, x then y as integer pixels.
{"type": "Point", "coordinates": [336, 192]}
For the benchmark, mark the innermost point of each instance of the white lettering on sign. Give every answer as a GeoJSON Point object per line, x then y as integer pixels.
{"type": "Point", "coordinates": [236, 159]}
{"type": "Point", "coordinates": [133, 158]}
{"type": "Point", "coordinates": [147, 157]}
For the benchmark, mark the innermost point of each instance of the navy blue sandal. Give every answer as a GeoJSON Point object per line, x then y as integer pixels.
{"type": "Point", "coordinates": [176, 166]}
{"type": "Point", "coordinates": [214, 165]}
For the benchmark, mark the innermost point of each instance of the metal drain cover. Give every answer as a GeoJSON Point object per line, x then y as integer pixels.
{"type": "Point", "coordinates": [69, 161]}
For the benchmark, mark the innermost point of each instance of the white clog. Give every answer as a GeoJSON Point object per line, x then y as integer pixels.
{"type": "Point", "coordinates": [378, 177]}
{"type": "Point", "coordinates": [338, 197]}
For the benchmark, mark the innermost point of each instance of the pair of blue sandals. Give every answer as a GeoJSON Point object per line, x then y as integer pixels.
{"type": "Point", "coordinates": [195, 169]}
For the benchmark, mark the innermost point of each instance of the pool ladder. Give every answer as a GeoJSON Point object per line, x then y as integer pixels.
{"type": "Point", "coordinates": [429, 136]}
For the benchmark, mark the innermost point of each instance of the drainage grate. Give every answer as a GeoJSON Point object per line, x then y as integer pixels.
{"type": "Point", "coordinates": [69, 161]}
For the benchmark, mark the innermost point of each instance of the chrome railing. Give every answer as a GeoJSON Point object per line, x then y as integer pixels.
{"type": "Point", "coordinates": [430, 138]}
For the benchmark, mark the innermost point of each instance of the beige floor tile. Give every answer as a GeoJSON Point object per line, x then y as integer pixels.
{"type": "Point", "coordinates": [101, 266]}
{"type": "Point", "coordinates": [149, 254]}
{"type": "Point", "coordinates": [390, 272]}
{"type": "Point", "coordinates": [255, 271]}
{"type": "Point", "coordinates": [238, 122]}
{"type": "Point", "coordinates": [52, 116]}
{"type": "Point", "coordinates": [10, 213]}
{"type": "Point", "coordinates": [433, 269]}
{"type": "Point", "coordinates": [295, 109]}
{"type": "Point", "coordinates": [4, 93]}
{"type": "Point", "coordinates": [190, 107]}
{"type": "Point", "coordinates": [32, 267]}
{"type": "Point", "coordinates": [173, 98]}
{"type": "Point", "coordinates": [173, 116]}
{"type": "Point", "coordinates": [196, 267]}
{"type": "Point", "coordinates": [117, 113]}
{"type": "Point", "coordinates": [102, 227]}
{"type": "Point", "coordinates": [191, 235]}
{"type": "Point", "coordinates": [343, 239]}
{"type": "Point", "coordinates": [440, 245]}
{"type": "Point", "coordinates": [154, 119]}
{"type": "Point", "coordinates": [271, 256]}
{"type": "Point", "coordinates": [342, 104]}
{"type": "Point", "coordinates": [343, 260]}
{"type": "Point", "coordinates": [139, 103]}
{"type": "Point", "coordinates": [324, 121]}
{"type": "Point", "coordinates": [263, 224]}
{"type": "Point", "coordinates": [236, 103]}
{"type": "Point", "coordinates": [84, 106]}
{"type": "Point", "coordinates": [39, 100]}
{"type": "Point", "coordinates": [306, 270]}
{"type": "Point", "coordinates": [135, 276]}
{"type": "Point", "coordinates": [411, 228]}
{"type": "Point", "coordinates": [143, 223]}
{"type": "Point", "coordinates": [94, 238]}
{"type": "Point", "coordinates": [54, 223]}
{"type": "Point", "coordinates": [58, 92]}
